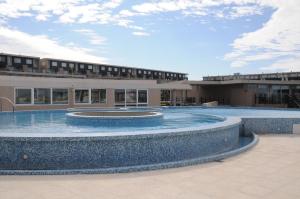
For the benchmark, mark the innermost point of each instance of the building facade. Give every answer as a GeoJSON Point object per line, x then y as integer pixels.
{"type": "Point", "coordinates": [267, 90]}
{"type": "Point", "coordinates": [60, 84]}
{"type": "Point", "coordinates": [30, 83]}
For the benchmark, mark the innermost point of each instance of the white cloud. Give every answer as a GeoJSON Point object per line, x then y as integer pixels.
{"type": "Point", "coordinates": [278, 40]}
{"type": "Point", "coordinates": [94, 38]}
{"type": "Point", "coordinates": [15, 41]}
{"type": "Point", "coordinates": [67, 11]}
{"type": "Point", "coordinates": [219, 9]}
{"type": "Point", "coordinates": [141, 33]}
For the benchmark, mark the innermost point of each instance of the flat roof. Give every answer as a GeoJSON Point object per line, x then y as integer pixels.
{"type": "Point", "coordinates": [93, 63]}
{"type": "Point", "coordinates": [112, 65]}
{"type": "Point", "coordinates": [243, 81]}
{"type": "Point", "coordinates": [18, 55]}
{"type": "Point", "coordinates": [259, 75]}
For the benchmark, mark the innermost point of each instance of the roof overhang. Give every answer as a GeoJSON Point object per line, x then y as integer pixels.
{"type": "Point", "coordinates": [230, 82]}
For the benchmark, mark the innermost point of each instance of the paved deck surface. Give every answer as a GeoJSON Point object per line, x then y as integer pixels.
{"type": "Point", "coordinates": [270, 170]}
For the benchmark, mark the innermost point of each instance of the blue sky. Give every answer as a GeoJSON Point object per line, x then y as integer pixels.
{"type": "Point", "coordinates": [201, 37]}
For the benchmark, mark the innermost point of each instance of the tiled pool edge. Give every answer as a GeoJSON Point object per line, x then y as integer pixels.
{"type": "Point", "coordinates": [113, 154]}
{"type": "Point", "coordinates": [176, 164]}
{"type": "Point", "coordinates": [268, 125]}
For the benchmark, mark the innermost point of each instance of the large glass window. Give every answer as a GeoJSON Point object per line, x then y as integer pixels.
{"type": "Point", "coordinates": [96, 69]}
{"type": "Point", "coordinates": [17, 60]}
{"type": "Point", "coordinates": [23, 96]}
{"type": "Point", "coordinates": [275, 95]}
{"type": "Point", "coordinates": [285, 94]}
{"type": "Point", "coordinates": [82, 96]}
{"type": "Point", "coordinates": [98, 96]}
{"type": "Point", "coordinates": [131, 97]}
{"type": "Point", "coordinates": [54, 63]}
{"type": "Point", "coordinates": [143, 96]}
{"type": "Point", "coordinates": [29, 61]}
{"type": "Point", "coordinates": [262, 94]}
{"type": "Point", "coordinates": [120, 96]}
{"type": "Point", "coordinates": [59, 96]}
{"type": "Point", "coordinates": [165, 95]}
{"type": "Point", "coordinates": [42, 96]}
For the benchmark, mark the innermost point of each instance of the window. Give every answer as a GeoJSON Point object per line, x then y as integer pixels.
{"type": "Point", "coordinates": [59, 96]}
{"type": "Point", "coordinates": [139, 72]}
{"type": "Point", "coordinates": [103, 68]}
{"type": "Point", "coordinates": [81, 66]}
{"type": "Point", "coordinates": [120, 96]}
{"type": "Point", "coordinates": [129, 70]}
{"type": "Point", "coordinates": [17, 60]}
{"type": "Point", "coordinates": [29, 61]}
{"type": "Point", "coordinates": [96, 69]}
{"type": "Point", "coordinates": [23, 96]}
{"type": "Point", "coordinates": [145, 72]}
{"type": "Point", "coordinates": [71, 65]}
{"type": "Point", "coordinates": [54, 63]}
{"type": "Point", "coordinates": [123, 70]}
{"type": "Point", "coordinates": [143, 96]}
{"type": "Point", "coordinates": [116, 69]}
{"type": "Point", "coordinates": [63, 64]}
{"type": "Point", "coordinates": [165, 95]}
{"type": "Point", "coordinates": [98, 96]}
{"type": "Point", "coordinates": [90, 67]}
{"type": "Point", "coordinates": [2, 59]}
{"type": "Point", "coordinates": [82, 96]}
{"type": "Point", "coordinates": [131, 96]}
{"type": "Point", "coordinates": [42, 96]}
{"type": "Point", "coordinates": [149, 72]}
{"type": "Point", "coordinates": [109, 68]}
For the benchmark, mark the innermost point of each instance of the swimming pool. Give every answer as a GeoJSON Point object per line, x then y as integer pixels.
{"type": "Point", "coordinates": [44, 142]}
{"type": "Point", "coordinates": [55, 122]}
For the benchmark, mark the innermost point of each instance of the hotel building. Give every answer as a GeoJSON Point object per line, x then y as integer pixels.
{"type": "Point", "coordinates": [32, 83]}
{"type": "Point", "coordinates": [260, 90]}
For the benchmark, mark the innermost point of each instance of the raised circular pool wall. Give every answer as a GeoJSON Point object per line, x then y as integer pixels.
{"type": "Point", "coordinates": [116, 152]}
{"type": "Point", "coordinates": [115, 118]}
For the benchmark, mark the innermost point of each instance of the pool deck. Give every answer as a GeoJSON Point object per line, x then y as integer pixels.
{"type": "Point", "coordinates": [270, 170]}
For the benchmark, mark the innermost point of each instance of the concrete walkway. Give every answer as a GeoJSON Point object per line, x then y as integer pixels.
{"type": "Point", "coordinates": [270, 170]}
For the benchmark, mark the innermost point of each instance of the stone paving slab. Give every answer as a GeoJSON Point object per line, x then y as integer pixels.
{"type": "Point", "coordinates": [270, 170]}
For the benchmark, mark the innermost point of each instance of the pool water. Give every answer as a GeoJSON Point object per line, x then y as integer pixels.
{"type": "Point", "coordinates": [174, 118]}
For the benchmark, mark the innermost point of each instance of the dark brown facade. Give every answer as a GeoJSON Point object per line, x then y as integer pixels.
{"type": "Point", "coordinates": [47, 66]}
{"type": "Point", "coordinates": [266, 93]}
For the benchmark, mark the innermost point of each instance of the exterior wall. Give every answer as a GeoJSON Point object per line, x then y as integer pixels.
{"type": "Point", "coordinates": [7, 92]}
{"type": "Point", "coordinates": [236, 95]}
{"type": "Point", "coordinates": [195, 92]}
{"type": "Point", "coordinates": [154, 97]}
{"type": "Point", "coordinates": [240, 96]}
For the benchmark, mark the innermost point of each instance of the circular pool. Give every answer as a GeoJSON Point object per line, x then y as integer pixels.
{"type": "Point", "coordinates": [115, 118]}
{"type": "Point", "coordinates": [44, 142]}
